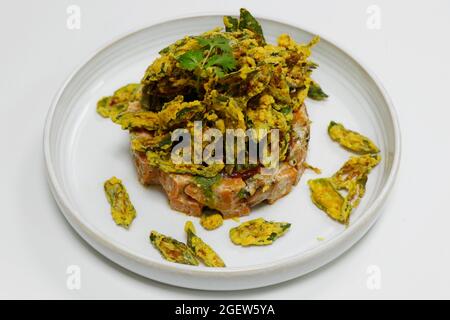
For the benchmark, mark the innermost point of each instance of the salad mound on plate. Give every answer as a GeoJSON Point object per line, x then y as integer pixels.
{"type": "Point", "coordinates": [223, 79]}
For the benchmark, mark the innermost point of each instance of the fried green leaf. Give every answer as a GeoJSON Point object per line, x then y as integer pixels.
{"type": "Point", "coordinates": [351, 140]}
{"type": "Point", "coordinates": [325, 196]}
{"type": "Point", "coordinates": [173, 250]}
{"type": "Point", "coordinates": [355, 169]}
{"type": "Point", "coordinates": [202, 250]}
{"type": "Point", "coordinates": [109, 107]}
{"type": "Point", "coordinates": [138, 120]}
{"type": "Point", "coordinates": [315, 92]}
{"type": "Point", "coordinates": [122, 210]}
{"type": "Point", "coordinates": [247, 21]}
{"type": "Point", "coordinates": [351, 177]}
{"type": "Point", "coordinates": [258, 232]}
{"type": "Point", "coordinates": [231, 24]}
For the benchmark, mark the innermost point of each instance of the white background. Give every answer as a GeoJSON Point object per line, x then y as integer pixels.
{"type": "Point", "coordinates": [411, 55]}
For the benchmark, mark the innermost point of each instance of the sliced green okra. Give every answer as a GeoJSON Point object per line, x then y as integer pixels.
{"type": "Point", "coordinates": [109, 107]}
{"type": "Point", "coordinates": [122, 210]}
{"type": "Point", "coordinates": [138, 120]}
{"type": "Point", "coordinates": [202, 250]}
{"type": "Point", "coordinates": [258, 232]}
{"type": "Point", "coordinates": [352, 177]}
{"type": "Point", "coordinates": [173, 250]}
{"type": "Point", "coordinates": [325, 196]}
{"type": "Point", "coordinates": [351, 140]}
{"type": "Point", "coordinates": [315, 92]}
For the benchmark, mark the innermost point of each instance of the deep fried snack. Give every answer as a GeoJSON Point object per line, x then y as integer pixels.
{"type": "Point", "coordinates": [325, 196]}
{"type": "Point", "coordinates": [122, 210]}
{"type": "Point", "coordinates": [258, 232]}
{"type": "Point", "coordinates": [351, 177]}
{"type": "Point", "coordinates": [351, 140]}
{"type": "Point", "coordinates": [202, 250]}
{"type": "Point", "coordinates": [173, 250]}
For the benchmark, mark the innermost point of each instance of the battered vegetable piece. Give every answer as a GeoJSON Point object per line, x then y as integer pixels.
{"type": "Point", "coordinates": [246, 21]}
{"type": "Point", "coordinates": [327, 198]}
{"type": "Point", "coordinates": [122, 209]}
{"type": "Point", "coordinates": [352, 177]}
{"type": "Point", "coordinates": [202, 251]}
{"type": "Point", "coordinates": [351, 140]}
{"type": "Point", "coordinates": [355, 169]}
{"type": "Point", "coordinates": [211, 221]}
{"type": "Point", "coordinates": [315, 92]}
{"type": "Point", "coordinates": [109, 107]}
{"type": "Point", "coordinates": [138, 120]}
{"type": "Point", "coordinates": [173, 250]}
{"type": "Point", "coordinates": [258, 232]}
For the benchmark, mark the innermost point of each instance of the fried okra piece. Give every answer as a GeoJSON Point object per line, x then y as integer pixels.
{"type": "Point", "coordinates": [325, 196]}
{"type": "Point", "coordinates": [247, 21]}
{"type": "Point", "coordinates": [211, 221]}
{"type": "Point", "coordinates": [138, 120]}
{"type": "Point", "coordinates": [258, 232]}
{"type": "Point", "coordinates": [173, 250]}
{"type": "Point", "coordinates": [122, 210]}
{"type": "Point", "coordinates": [356, 168]}
{"type": "Point", "coordinates": [352, 177]}
{"type": "Point", "coordinates": [351, 140]}
{"type": "Point", "coordinates": [201, 250]}
{"type": "Point", "coordinates": [109, 107]}
{"type": "Point", "coordinates": [315, 92]}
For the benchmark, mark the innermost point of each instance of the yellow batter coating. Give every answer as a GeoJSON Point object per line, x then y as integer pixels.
{"type": "Point", "coordinates": [202, 251]}
{"type": "Point", "coordinates": [172, 250]}
{"type": "Point", "coordinates": [258, 232]}
{"type": "Point", "coordinates": [122, 210]}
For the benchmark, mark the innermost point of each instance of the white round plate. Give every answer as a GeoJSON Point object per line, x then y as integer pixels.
{"type": "Point", "coordinates": [82, 150]}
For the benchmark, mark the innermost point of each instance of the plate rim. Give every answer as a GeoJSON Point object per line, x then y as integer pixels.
{"type": "Point", "coordinates": [364, 222]}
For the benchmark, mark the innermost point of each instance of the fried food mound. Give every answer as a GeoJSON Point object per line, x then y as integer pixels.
{"type": "Point", "coordinates": [227, 79]}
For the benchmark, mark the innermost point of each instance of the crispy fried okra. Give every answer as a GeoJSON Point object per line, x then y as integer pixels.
{"type": "Point", "coordinates": [173, 250]}
{"type": "Point", "coordinates": [351, 177]}
{"type": "Point", "coordinates": [351, 140]}
{"type": "Point", "coordinates": [258, 232]}
{"type": "Point", "coordinates": [122, 210]}
{"type": "Point", "coordinates": [202, 250]}
{"type": "Point", "coordinates": [325, 196]}
{"type": "Point", "coordinates": [111, 106]}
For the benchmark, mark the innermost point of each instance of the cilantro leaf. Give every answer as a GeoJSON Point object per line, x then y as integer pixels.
{"type": "Point", "coordinates": [191, 59]}
{"type": "Point", "coordinates": [215, 42]}
{"type": "Point", "coordinates": [215, 52]}
{"type": "Point", "coordinates": [225, 61]}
